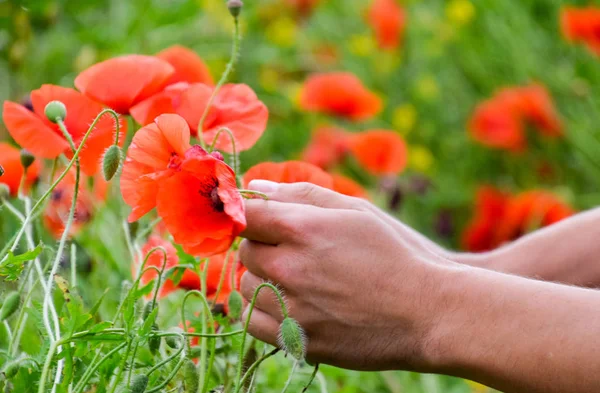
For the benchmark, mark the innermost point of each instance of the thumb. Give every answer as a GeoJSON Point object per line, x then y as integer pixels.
{"type": "Point", "coordinates": [305, 194]}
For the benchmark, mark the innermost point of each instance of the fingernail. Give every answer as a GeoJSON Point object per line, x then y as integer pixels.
{"type": "Point", "coordinates": [264, 186]}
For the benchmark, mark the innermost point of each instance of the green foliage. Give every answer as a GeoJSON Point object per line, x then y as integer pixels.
{"type": "Point", "coordinates": [12, 265]}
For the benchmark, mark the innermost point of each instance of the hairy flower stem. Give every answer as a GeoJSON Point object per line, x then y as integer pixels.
{"type": "Point", "coordinates": [92, 369]}
{"type": "Point", "coordinates": [235, 51]}
{"type": "Point", "coordinates": [289, 381]}
{"type": "Point", "coordinates": [174, 372]}
{"type": "Point", "coordinates": [253, 368]}
{"type": "Point", "coordinates": [234, 155]}
{"type": "Point", "coordinates": [123, 365]}
{"type": "Point", "coordinates": [284, 312]}
{"type": "Point", "coordinates": [312, 378]}
{"type": "Point", "coordinates": [222, 278]}
{"type": "Point", "coordinates": [169, 359]}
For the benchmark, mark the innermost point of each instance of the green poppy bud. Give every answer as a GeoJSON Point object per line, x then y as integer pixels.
{"type": "Point", "coordinates": [154, 341]}
{"type": "Point", "coordinates": [55, 111]}
{"type": "Point", "coordinates": [174, 341]}
{"type": "Point", "coordinates": [292, 338]}
{"type": "Point", "coordinates": [139, 384]}
{"type": "Point", "coordinates": [10, 305]}
{"type": "Point", "coordinates": [235, 7]}
{"type": "Point", "coordinates": [190, 376]}
{"type": "Point", "coordinates": [4, 192]}
{"type": "Point", "coordinates": [111, 162]}
{"type": "Point", "coordinates": [235, 304]}
{"type": "Point", "coordinates": [26, 158]}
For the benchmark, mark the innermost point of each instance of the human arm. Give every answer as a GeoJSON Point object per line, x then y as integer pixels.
{"type": "Point", "coordinates": [368, 299]}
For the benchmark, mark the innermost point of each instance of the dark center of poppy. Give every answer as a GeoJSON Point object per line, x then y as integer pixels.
{"type": "Point", "coordinates": [56, 195]}
{"type": "Point", "coordinates": [174, 161]}
{"type": "Point", "coordinates": [217, 203]}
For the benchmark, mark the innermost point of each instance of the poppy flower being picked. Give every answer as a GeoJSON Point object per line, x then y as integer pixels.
{"type": "Point", "coordinates": [34, 132]}
{"type": "Point", "coordinates": [235, 107]}
{"type": "Point", "coordinates": [10, 160]}
{"type": "Point", "coordinates": [289, 172]}
{"type": "Point", "coordinates": [388, 20]}
{"type": "Point", "coordinates": [327, 147]}
{"type": "Point", "coordinates": [194, 192]}
{"type": "Point", "coordinates": [582, 25]}
{"type": "Point", "coordinates": [122, 82]}
{"type": "Point", "coordinates": [189, 280]}
{"type": "Point", "coordinates": [341, 94]}
{"type": "Point", "coordinates": [380, 152]}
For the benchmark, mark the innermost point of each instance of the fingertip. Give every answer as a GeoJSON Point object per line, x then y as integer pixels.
{"type": "Point", "coordinates": [264, 186]}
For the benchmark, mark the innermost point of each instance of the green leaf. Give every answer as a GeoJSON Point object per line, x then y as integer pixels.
{"type": "Point", "coordinates": [100, 327]}
{"type": "Point", "coordinates": [12, 266]}
{"type": "Point", "coordinates": [147, 326]}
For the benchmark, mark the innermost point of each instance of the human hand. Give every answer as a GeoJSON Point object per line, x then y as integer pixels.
{"type": "Point", "coordinates": [366, 298]}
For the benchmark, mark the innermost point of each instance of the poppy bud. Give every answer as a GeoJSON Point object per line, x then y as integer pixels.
{"type": "Point", "coordinates": [291, 338]}
{"type": "Point", "coordinates": [1, 171]}
{"type": "Point", "coordinates": [235, 7]}
{"type": "Point", "coordinates": [26, 158]}
{"type": "Point", "coordinates": [111, 162]}
{"type": "Point", "coordinates": [195, 352]}
{"type": "Point", "coordinates": [55, 111]}
{"type": "Point", "coordinates": [148, 308]}
{"type": "Point", "coordinates": [173, 341]}
{"type": "Point", "coordinates": [235, 304]}
{"type": "Point", "coordinates": [139, 384]}
{"type": "Point", "coordinates": [190, 376]}
{"type": "Point", "coordinates": [4, 192]}
{"type": "Point", "coordinates": [10, 305]}
{"type": "Point", "coordinates": [154, 341]}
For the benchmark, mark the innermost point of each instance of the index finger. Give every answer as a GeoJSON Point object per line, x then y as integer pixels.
{"type": "Point", "coordinates": [273, 222]}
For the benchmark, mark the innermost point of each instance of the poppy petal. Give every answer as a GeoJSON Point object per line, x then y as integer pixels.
{"type": "Point", "coordinates": [380, 152]}
{"type": "Point", "coordinates": [189, 67]}
{"type": "Point", "coordinates": [289, 172]}
{"type": "Point", "coordinates": [160, 103]}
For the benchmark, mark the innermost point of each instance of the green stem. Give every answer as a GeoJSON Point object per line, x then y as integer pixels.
{"type": "Point", "coordinates": [221, 279]}
{"type": "Point", "coordinates": [169, 377]}
{"type": "Point", "coordinates": [46, 369]}
{"type": "Point", "coordinates": [257, 193]}
{"type": "Point", "coordinates": [289, 381]}
{"type": "Point", "coordinates": [253, 367]}
{"type": "Point", "coordinates": [312, 378]}
{"type": "Point", "coordinates": [90, 371]}
{"type": "Point", "coordinates": [122, 365]}
{"type": "Point", "coordinates": [169, 359]}
{"type": "Point", "coordinates": [233, 148]}
{"type": "Point", "coordinates": [187, 334]}
{"type": "Point", "coordinates": [247, 324]}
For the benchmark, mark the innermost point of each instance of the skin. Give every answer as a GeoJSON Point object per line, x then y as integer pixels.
{"type": "Point", "coordinates": [372, 294]}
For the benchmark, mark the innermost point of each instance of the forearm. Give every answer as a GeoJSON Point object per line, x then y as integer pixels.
{"type": "Point", "coordinates": [566, 252]}
{"type": "Point", "coordinates": [517, 334]}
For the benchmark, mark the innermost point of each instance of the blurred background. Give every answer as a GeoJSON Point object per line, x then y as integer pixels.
{"type": "Point", "coordinates": [452, 56]}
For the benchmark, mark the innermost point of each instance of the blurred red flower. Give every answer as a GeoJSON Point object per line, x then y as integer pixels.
{"type": "Point", "coordinates": [345, 185]}
{"type": "Point", "coordinates": [327, 147]}
{"type": "Point", "coordinates": [341, 94]}
{"type": "Point", "coordinates": [388, 20]}
{"type": "Point", "coordinates": [303, 7]}
{"type": "Point", "coordinates": [189, 67]}
{"type": "Point", "coordinates": [500, 217]}
{"type": "Point", "coordinates": [122, 82]}
{"type": "Point", "coordinates": [34, 132]}
{"type": "Point", "coordinates": [235, 107]}
{"type": "Point", "coordinates": [499, 122]}
{"type": "Point", "coordinates": [10, 160]}
{"type": "Point", "coordinates": [289, 172]}
{"type": "Point", "coordinates": [582, 25]}
{"type": "Point", "coordinates": [380, 152]}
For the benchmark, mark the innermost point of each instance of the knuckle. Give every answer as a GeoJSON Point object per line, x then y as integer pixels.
{"type": "Point", "coordinates": [306, 191]}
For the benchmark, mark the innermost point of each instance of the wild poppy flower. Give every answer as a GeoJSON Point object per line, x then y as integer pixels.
{"type": "Point", "coordinates": [189, 67]}
{"type": "Point", "coordinates": [536, 107]}
{"type": "Point", "coordinates": [303, 7]}
{"type": "Point", "coordinates": [490, 209]}
{"type": "Point", "coordinates": [380, 152]}
{"type": "Point", "coordinates": [34, 132]}
{"type": "Point", "coordinates": [341, 94]}
{"type": "Point", "coordinates": [235, 107]}
{"type": "Point", "coordinates": [582, 25]}
{"type": "Point", "coordinates": [122, 82]}
{"type": "Point", "coordinates": [195, 192]}
{"type": "Point", "coordinates": [388, 21]}
{"type": "Point", "coordinates": [345, 185]}
{"type": "Point", "coordinates": [327, 147]}
{"type": "Point", "coordinates": [10, 160]}
{"type": "Point", "coordinates": [189, 281]}
{"type": "Point", "coordinates": [289, 172]}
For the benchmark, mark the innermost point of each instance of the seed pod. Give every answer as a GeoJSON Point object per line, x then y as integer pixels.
{"type": "Point", "coordinates": [4, 192]}
{"type": "Point", "coordinates": [195, 352]}
{"type": "Point", "coordinates": [55, 111]}
{"type": "Point", "coordinates": [154, 341]}
{"type": "Point", "coordinates": [11, 369]}
{"type": "Point", "coordinates": [291, 338]}
{"type": "Point", "coordinates": [174, 341]}
{"type": "Point", "coordinates": [190, 376]}
{"type": "Point", "coordinates": [235, 7]}
{"type": "Point", "coordinates": [235, 304]}
{"type": "Point", "coordinates": [147, 310]}
{"type": "Point", "coordinates": [26, 158]}
{"type": "Point", "coordinates": [10, 305]}
{"type": "Point", "coordinates": [139, 384]}
{"type": "Point", "coordinates": [111, 162]}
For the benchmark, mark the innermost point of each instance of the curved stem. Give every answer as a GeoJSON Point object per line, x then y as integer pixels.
{"type": "Point", "coordinates": [289, 381]}
{"type": "Point", "coordinates": [312, 378]}
{"type": "Point", "coordinates": [222, 278]}
{"type": "Point", "coordinates": [169, 377]}
{"type": "Point", "coordinates": [187, 334]}
{"type": "Point", "coordinates": [46, 369]}
{"type": "Point", "coordinates": [122, 365]}
{"type": "Point", "coordinates": [233, 148]}
{"type": "Point", "coordinates": [88, 374]}
{"type": "Point", "coordinates": [257, 193]}
{"type": "Point", "coordinates": [253, 367]}
{"type": "Point", "coordinates": [169, 359]}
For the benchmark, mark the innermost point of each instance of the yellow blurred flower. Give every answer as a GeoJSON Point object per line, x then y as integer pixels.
{"type": "Point", "coordinates": [269, 79]}
{"type": "Point", "coordinates": [282, 32]}
{"type": "Point", "coordinates": [386, 62]}
{"type": "Point", "coordinates": [85, 58]}
{"type": "Point", "coordinates": [460, 12]}
{"type": "Point", "coordinates": [362, 45]}
{"type": "Point", "coordinates": [292, 91]}
{"type": "Point", "coordinates": [404, 118]}
{"type": "Point", "coordinates": [427, 88]}
{"type": "Point", "coordinates": [420, 158]}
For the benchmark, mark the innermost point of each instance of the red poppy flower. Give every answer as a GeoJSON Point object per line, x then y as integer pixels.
{"type": "Point", "coordinates": [536, 106]}
{"type": "Point", "coordinates": [347, 186]}
{"type": "Point", "coordinates": [201, 206]}
{"type": "Point", "coordinates": [189, 67]}
{"type": "Point", "coordinates": [235, 107]}
{"type": "Point", "coordinates": [327, 147]}
{"type": "Point", "coordinates": [155, 151]}
{"type": "Point", "coordinates": [490, 209]}
{"type": "Point", "coordinates": [57, 210]}
{"type": "Point", "coordinates": [341, 94]}
{"type": "Point", "coordinates": [289, 172]}
{"type": "Point", "coordinates": [582, 25]}
{"type": "Point", "coordinates": [380, 152]}
{"type": "Point", "coordinates": [529, 211]}
{"type": "Point", "coordinates": [10, 160]}
{"type": "Point", "coordinates": [388, 20]}
{"type": "Point", "coordinates": [122, 82]}
{"type": "Point", "coordinates": [215, 269]}
{"type": "Point", "coordinates": [190, 280]}
{"type": "Point", "coordinates": [494, 124]}
{"type": "Point", "coordinates": [42, 138]}
{"type": "Point", "coordinates": [303, 7]}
